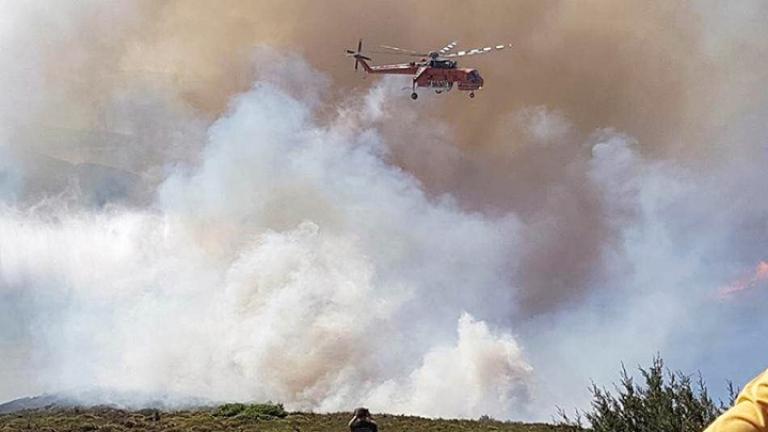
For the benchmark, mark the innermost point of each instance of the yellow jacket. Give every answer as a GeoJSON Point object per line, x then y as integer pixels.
{"type": "Point", "coordinates": [749, 413]}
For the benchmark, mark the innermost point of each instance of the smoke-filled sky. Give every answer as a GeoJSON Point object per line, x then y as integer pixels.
{"type": "Point", "coordinates": [202, 199]}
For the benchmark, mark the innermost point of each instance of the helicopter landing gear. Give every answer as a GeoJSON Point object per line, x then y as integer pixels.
{"type": "Point", "coordinates": [471, 95]}
{"type": "Point", "coordinates": [438, 91]}
{"type": "Point", "coordinates": [414, 96]}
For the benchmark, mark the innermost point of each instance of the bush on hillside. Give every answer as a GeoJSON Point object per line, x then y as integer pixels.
{"type": "Point", "coordinates": [229, 410]}
{"type": "Point", "coordinates": [266, 410]}
{"type": "Point", "coordinates": [255, 411]}
{"type": "Point", "coordinates": [664, 401]}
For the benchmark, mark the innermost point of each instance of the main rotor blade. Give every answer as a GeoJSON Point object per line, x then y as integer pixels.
{"type": "Point", "coordinates": [399, 54]}
{"type": "Point", "coordinates": [477, 51]}
{"type": "Point", "coordinates": [402, 50]}
{"type": "Point", "coordinates": [446, 49]}
{"type": "Point", "coordinates": [359, 45]}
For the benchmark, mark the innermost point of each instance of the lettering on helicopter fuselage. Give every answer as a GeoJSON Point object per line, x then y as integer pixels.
{"type": "Point", "coordinates": [439, 83]}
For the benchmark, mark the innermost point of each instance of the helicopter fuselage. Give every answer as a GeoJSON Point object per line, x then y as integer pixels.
{"type": "Point", "coordinates": [440, 75]}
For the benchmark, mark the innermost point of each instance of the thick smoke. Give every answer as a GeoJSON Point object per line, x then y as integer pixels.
{"type": "Point", "coordinates": [186, 212]}
{"type": "Point", "coordinates": [275, 269]}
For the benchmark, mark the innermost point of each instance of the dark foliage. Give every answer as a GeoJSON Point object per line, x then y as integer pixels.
{"type": "Point", "coordinates": [663, 401]}
{"type": "Point", "coordinates": [254, 411]}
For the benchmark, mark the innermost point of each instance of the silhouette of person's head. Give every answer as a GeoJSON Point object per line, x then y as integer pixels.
{"type": "Point", "coordinates": [362, 413]}
{"type": "Point", "coordinates": [362, 421]}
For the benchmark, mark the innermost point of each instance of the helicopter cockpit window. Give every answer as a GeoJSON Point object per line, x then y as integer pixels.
{"type": "Point", "coordinates": [443, 64]}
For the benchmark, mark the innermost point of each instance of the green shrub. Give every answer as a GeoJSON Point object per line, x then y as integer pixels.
{"type": "Point", "coordinates": [266, 410]}
{"type": "Point", "coordinates": [665, 401]}
{"type": "Point", "coordinates": [255, 411]}
{"type": "Point", "coordinates": [229, 410]}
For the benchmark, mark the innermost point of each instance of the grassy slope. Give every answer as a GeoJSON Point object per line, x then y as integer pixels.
{"type": "Point", "coordinates": [107, 419]}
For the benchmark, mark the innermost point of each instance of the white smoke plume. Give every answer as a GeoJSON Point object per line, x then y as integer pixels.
{"type": "Point", "coordinates": [292, 264]}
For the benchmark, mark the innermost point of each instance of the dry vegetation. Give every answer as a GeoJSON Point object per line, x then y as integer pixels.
{"type": "Point", "coordinates": [655, 400]}
{"type": "Point", "coordinates": [110, 419]}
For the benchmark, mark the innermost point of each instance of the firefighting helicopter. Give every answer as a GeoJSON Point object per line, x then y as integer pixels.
{"type": "Point", "coordinates": [435, 70]}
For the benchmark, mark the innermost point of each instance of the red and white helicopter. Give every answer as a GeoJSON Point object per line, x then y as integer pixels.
{"type": "Point", "coordinates": [435, 70]}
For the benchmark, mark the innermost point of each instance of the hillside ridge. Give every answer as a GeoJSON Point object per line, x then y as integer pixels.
{"type": "Point", "coordinates": [204, 420]}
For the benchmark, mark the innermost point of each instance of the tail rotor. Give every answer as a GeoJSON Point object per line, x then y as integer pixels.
{"type": "Point", "coordinates": [358, 55]}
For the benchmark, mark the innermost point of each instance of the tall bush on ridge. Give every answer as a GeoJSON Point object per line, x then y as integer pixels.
{"type": "Point", "coordinates": [662, 401]}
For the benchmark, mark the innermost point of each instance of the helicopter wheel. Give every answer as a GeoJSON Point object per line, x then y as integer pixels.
{"type": "Point", "coordinates": [472, 94]}
{"type": "Point", "coordinates": [414, 96]}
{"type": "Point", "coordinates": [438, 91]}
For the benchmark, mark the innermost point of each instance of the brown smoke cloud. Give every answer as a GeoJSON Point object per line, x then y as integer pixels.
{"type": "Point", "coordinates": [634, 66]}
{"type": "Point", "coordinates": [638, 66]}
